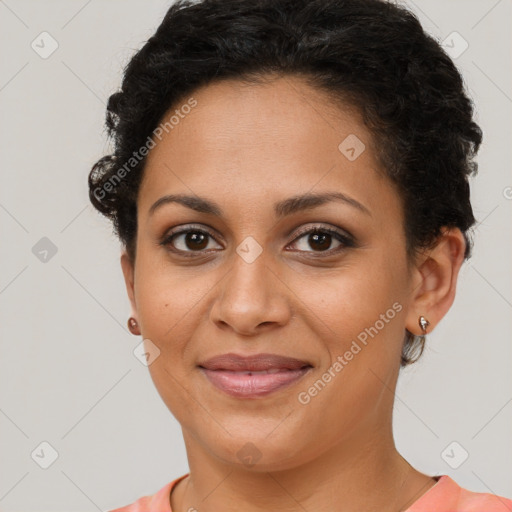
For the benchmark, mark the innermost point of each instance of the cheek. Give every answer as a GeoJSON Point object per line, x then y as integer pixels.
{"type": "Point", "coordinates": [358, 317]}
{"type": "Point", "coordinates": [359, 323]}
{"type": "Point", "coordinates": [354, 299]}
{"type": "Point", "coordinates": [167, 296]}
{"type": "Point", "coordinates": [168, 305]}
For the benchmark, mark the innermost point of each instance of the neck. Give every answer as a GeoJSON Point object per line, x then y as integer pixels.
{"type": "Point", "coordinates": [351, 476]}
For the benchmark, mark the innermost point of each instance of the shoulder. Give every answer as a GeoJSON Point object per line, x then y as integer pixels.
{"type": "Point", "coordinates": [448, 496]}
{"type": "Point", "coordinates": [158, 502]}
{"type": "Point", "coordinates": [483, 502]}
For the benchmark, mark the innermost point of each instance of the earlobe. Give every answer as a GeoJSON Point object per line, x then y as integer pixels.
{"type": "Point", "coordinates": [437, 277]}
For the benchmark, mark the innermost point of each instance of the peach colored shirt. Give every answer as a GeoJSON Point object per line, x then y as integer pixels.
{"type": "Point", "coordinates": [444, 496]}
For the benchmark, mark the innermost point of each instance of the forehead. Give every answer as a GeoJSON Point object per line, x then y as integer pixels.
{"type": "Point", "coordinates": [266, 141]}
{"type": "Point", "coordinates": [284, 111]}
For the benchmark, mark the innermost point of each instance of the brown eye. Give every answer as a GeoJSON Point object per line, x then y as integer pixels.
{"type": "Point", "coordinates": [195, 240]}
{"type": "Point", "coordinates": [320, 239]}
{"type": "Point", "coordinates": [188, 241]}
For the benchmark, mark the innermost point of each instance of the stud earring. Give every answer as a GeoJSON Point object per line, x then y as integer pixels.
{"type": "Point", "coordinates": [133, 326]}
{"type": "Point", "coordinates": [424, 323]}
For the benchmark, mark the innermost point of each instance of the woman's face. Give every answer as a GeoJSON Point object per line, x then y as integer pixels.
{"type": "Point", "coordinates": [257, 282]}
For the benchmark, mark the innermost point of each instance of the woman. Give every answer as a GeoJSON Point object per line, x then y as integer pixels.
{"type": "Point", "coordinates": [290, 185]}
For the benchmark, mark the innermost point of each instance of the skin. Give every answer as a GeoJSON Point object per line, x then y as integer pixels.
{"type": "Point", "coordinates": [246, 147]}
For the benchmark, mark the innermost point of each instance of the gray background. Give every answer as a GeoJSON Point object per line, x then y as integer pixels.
{"type": "Point", "coordinates": [68, 376]}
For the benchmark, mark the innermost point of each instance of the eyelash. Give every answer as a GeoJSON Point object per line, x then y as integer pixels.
{"type": "Point", "coordinates": [345, 240]}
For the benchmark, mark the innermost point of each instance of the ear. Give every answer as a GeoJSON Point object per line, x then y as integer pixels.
{"type": "Point", "coordinates": [435, 280]}
{"type": "Point", "coordinates": [129, 273]}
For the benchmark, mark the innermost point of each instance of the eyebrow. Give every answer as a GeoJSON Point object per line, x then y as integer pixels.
{"type": "Point", "coordinates": [281, 209]}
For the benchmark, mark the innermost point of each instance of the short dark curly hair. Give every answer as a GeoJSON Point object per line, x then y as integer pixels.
{"type": "Point", "coordinates": [371, 54]}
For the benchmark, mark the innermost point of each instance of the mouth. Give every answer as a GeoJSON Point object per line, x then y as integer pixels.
{"type": "Point", "coordinates": [253, 376]}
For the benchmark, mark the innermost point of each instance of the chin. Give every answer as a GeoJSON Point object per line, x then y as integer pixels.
{"type": "Point", "coordinates": [259, 453]}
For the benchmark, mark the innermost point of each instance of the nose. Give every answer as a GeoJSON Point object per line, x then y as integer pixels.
{"type": "Point", "coordinates": [251, 298]}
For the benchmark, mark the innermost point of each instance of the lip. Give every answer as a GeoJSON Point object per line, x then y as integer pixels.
{"type": "Point", "coordinates": [256, 362]}
{"type": "Point", "coordinates": [235, 375]}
